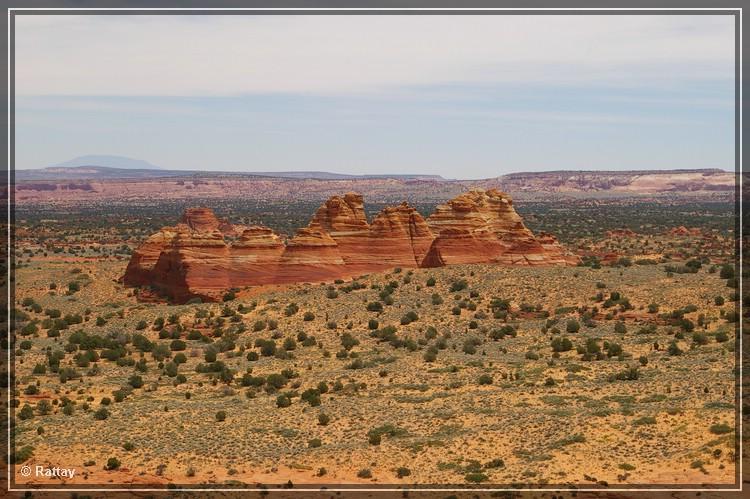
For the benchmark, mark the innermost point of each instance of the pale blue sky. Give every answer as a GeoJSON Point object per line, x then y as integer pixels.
{"type": "Point", "coordinates": [463, 97]}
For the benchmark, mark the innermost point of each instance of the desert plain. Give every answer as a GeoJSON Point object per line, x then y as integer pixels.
{"type": "Point", "coordinates": [616, 369]}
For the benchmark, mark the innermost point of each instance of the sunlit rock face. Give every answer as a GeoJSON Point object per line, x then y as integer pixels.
{"type": "Point", "coordinates": [483, 227]}
{"type": "Point", "coordinates": [194, 259]}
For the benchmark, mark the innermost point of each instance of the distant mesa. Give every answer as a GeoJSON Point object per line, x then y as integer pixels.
{"type": "Point", "coordinates": [203, 256]}
{"type": "Point", "coordinates": [133, 183]}
{"type": "Point", "coordinates": [107, 161]}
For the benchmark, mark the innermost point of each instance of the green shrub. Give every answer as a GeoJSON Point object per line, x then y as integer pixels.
{"type": "Point", "coordinates": [348, 341]}
{"type": "Point", "coordinates": [374, 435]}
{"type": "Point", "coordinates": [26, 412]}
{"type": "Point", "coordinates": [289, 344]}
{"type": "Point", "coordinates": [614, 350]}
{"type": "Point", "coordinates": [291, 309]}
{"type": "Point", "coordinates": [314, 442]}
{"type": "Point", "coordinates": [401, 472]}
{"type": "Point", "coordinates": [700, 338]}
{"type": "Point", "coordinates": [673, 349]}
{"type": "Point", "coordinates": [495, 463]}
{"type": "Point", "coordinates": [476, 477]}
{"type": "Point", "coordinates": [23, 454]}
{"type": "Point", "coordinates": [177, 345]}
{"type": "Point", "coordinates": [374, 306]}
{"type": "Point", "coordinates": [250, 380]}
{"type": "Point", "coordinates": [629, 374]}
{"type": "Point", "coordinates": [431, 354]}
{"type": "Point", "coordinates": [572, 326]}
{"type": "Point", "coordinates": [561, 344]}
{"type": "Point", "coordinates": [409, 317]}
{"type": "Point", "coordinates": [170, 369]}
{"type": "Point", "coordinates": [112, 464]}
{"type": "Point", "coordinates": [267, 347]}
{"type": "Point", "coordinates": [283, 401]}
{"type": "Point", "coordinates": [721, 429]}
{"type": "Point", "coordinates": [727, 272]}
{"type": "Point", "coordinates": [135, 381]}
{"type": "Point", "coordinates": [311, 396]}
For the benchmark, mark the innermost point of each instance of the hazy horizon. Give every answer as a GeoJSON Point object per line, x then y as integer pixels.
{"type": "Point", "coordinates": [405, 172]}
{"type": "Point", "coordinates": [458, 96]}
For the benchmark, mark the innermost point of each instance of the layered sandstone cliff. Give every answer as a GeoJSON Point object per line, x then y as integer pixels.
{"type": "Point", "coordinates": [483, 227]}
{"type": "Point", "coordinates": [194, 259]}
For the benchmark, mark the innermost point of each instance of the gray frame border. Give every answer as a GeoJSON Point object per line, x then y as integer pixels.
{"type": "Point", "coordinates": [484, 9]}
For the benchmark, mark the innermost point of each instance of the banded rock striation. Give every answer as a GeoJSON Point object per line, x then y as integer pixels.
{"type": "Point", "coordinates": [195, 259]}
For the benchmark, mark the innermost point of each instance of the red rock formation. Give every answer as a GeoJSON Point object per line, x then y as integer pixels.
{"type": "Point", "coordinates": [255, 256]}
{"type": "Point", "coordinates": [311, 255]}
{"type": "Point", "coordinates": [684, 231]}
{"type": "Point", "coordinates": [194, 264]}
{"type": "Point", "coordinates": [344, 220]}
{"type": "Point", "coordinates": [342, 216]}
{"type": "Point", "coordinates": [482, 226]}
{"type": "Point", "coordinates": [200, 219]}
{"type": "Point", "coordinates": [204, 220]}
{"type": "Point", "coordinates": [194, 260]}
{"type": "Point", "coordinates": [144, 258]}
{"type": "Point", "coordinates": [398, 236]}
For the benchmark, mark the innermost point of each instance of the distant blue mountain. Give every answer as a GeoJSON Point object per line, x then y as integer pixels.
{"type": "Point", "coordinates": [107, 161]}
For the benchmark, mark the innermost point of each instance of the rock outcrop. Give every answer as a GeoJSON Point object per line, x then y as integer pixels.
{"type": "Point", "coordinates": [195, 264]}
{"type": "Point", "coordinates": [200, 219]}
{"type": "Point", "coordinates": [142, 261]}
{"type": "Point", "coordinates": [195, 259]}
{"type": "Point", "coordinates": [684, 231]}
{"type": "Point", "coordinates": [255, 256]}
{"type": "Point", "coordinates": [483, 227]}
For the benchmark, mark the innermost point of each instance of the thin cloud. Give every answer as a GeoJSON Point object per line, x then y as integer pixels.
{"type": "Point", "coordinates": [329, 55]}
